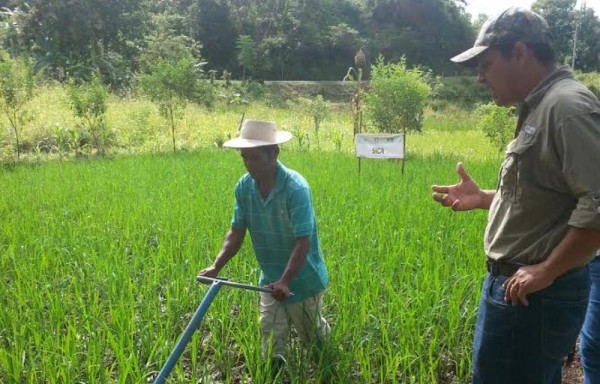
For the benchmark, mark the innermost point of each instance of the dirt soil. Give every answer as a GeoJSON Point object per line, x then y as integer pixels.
{"type": "Point", "coordinates": [572, 371]}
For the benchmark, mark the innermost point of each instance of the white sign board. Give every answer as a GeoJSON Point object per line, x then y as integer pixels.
{"type": "Point", "coordinates": [379, 146]}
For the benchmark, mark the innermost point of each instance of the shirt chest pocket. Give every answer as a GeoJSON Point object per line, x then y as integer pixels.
{"type": "Point", "coordinates": [517, 168]}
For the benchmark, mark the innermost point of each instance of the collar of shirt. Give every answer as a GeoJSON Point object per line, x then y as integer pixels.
{"type": "Point", "coordinates": [279, 184]}
{"type": "Point", "coordinates": [537, 94]}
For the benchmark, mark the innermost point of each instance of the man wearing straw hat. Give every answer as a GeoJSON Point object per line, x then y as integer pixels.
{"type": "Point", "coordinates": [544, 215]}
{"type": "Point", "coordinates": [274, 204]}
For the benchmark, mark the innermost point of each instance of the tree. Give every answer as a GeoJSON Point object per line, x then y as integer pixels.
{"type": "Point", "coordinates": [78, 38]}
{"type": "Point", "coordinates": [277, 50]}
{"type": "Point", "coordinates": [212, 27]}
{"type": "Point", "coordinates": [318, 109]}
{"type": "Point", "coordinates": [17, 80]}
{"type": "Point", "coordinates": [425, 32]}
{"type": "Point", "coordinates": [172, 67]}
{"type": "Point", "coordinates": [247, 54]}
{"type": "Point", "coordinates": [397, 96]}
{"type": "Point", "coordinates": [170, 85]}
{"type": "Point", "coordinates": [168, 42]}
{"type": "Point", "coordinates": [587, 55]}
{"type": "Point", "coordinates": [560, 17]}
{"type": "Point", "coordinates": [293, 39]}
{"type": "Point", "coordinates": [479, 21]}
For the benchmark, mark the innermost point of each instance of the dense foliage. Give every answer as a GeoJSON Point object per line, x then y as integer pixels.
{"type": "Point", "coordinates": [397, 96]}
{"type": "Point", "coordinates": [270, 40]}
{"type": "Point", "coordinates": [273, 39]}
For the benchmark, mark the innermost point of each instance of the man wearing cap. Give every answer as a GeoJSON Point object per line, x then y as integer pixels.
{"type": "Point", "coordinates": [274, 204]}
{"type": "Point", "coordinates": [544, 215]}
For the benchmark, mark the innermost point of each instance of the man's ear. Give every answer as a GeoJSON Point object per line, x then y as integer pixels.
{"type": "Point", "coordinates": [521, 52]}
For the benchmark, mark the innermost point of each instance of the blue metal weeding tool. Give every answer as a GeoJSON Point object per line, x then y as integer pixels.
{"type": "Point", "coordinates": [197, 318]}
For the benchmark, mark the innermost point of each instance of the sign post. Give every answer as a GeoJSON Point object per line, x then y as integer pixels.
{"type": "Point", "coordinates": [379, 146]}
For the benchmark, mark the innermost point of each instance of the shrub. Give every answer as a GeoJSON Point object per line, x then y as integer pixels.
{"type": "Point", "coordinates": [464, 91]}
{"type": "Point", "coordinates": [590, 80]}
{"type": "Point", "coordinates": [497, 124]}
{"type": "Point", "coordinates": [89, 103]}
{"type": "Point", "coordinates": [397, 96]}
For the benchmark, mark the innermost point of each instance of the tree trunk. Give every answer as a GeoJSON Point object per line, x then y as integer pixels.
{"type": "Point", "coordinates": [172, 128]}
{"type": "Point", "coordinates": [15, 126]}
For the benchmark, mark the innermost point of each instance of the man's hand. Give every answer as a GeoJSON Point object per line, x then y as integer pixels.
{"type": "Point", "coordinates": [464, 196]}
{"type": "Point", "coordinates": [281, 291]}
{"type": "Point", "coordinates": [526, 280]}
{"type": "Point", "coordinates": [211, 271]}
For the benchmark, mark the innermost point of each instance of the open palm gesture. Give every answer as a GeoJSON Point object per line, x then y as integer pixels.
{"type": "Point", "coordinates": [464, 196]}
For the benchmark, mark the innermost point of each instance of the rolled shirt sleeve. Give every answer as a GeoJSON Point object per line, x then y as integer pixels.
{"type": "Point", "coordinates": [580, 150]}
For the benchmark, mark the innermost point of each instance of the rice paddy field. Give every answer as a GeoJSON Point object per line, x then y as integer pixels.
{"type": "Point", "coordinates": [99, 258]}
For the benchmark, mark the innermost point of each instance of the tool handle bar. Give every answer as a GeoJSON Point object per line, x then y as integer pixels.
{"type": "Point", "coordinates": [223, 281]}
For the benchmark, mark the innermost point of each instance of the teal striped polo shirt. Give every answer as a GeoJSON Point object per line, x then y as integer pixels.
{"type": "Point", "coordinates": [274, 224]}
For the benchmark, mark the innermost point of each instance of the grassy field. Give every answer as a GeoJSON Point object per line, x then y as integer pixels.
{"type": "Point", "coordinates": [135, 126]}
{"type": "Point", "coordinates": [99, 256]}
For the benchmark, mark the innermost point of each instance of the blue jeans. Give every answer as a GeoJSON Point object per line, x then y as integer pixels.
{"type": "Point", "coordinates": [590, 333]}
{"type": "Point", "coordinates": [525, 345]}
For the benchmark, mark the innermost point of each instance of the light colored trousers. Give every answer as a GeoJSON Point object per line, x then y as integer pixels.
{"type": "Point", "coordinates": [276, 318]}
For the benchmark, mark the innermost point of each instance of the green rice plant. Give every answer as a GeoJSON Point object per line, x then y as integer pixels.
{"type": "Point", "coordinates": [98, 277]}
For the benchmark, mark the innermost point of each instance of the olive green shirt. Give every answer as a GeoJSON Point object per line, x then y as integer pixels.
{"type": "Point", "coordinates": [550, 178]}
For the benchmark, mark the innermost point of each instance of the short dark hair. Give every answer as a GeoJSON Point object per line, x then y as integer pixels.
{"type": "Point", "coordinates": [541, 51]}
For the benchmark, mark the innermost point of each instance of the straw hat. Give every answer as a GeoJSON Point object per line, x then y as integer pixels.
{"type": "Point", "coordinates": [256, 133]}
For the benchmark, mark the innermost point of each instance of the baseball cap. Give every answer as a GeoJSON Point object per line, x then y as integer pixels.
{"type": "Point", "coordinates": [508, 27]}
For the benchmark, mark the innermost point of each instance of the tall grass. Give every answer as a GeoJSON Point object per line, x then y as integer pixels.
{"type": "Point", "coordinates": [99, 259]}
{"type": "Point", "coordinates": [135, 126]}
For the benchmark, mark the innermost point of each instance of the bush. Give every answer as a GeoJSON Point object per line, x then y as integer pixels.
{"type": "Point", "coordinates": [89, 103]}
{"type": "Point", "coordinates": [464, 91]}
{"type": "Point", "coordinates": [497, 123]}
{"type": "Point", "coordinates": [397, 96]}
{"type": "Point", "coordinates": [205, 94]}
{"type": "Point", "coordinates": [590, 80]}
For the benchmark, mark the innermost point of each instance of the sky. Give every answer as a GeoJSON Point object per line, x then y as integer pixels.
{"type": "Point", "coordinates": [491, 7]}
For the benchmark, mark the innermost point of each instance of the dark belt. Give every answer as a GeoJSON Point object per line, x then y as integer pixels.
{"type": "Point", "coordinates": [498, 268]}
